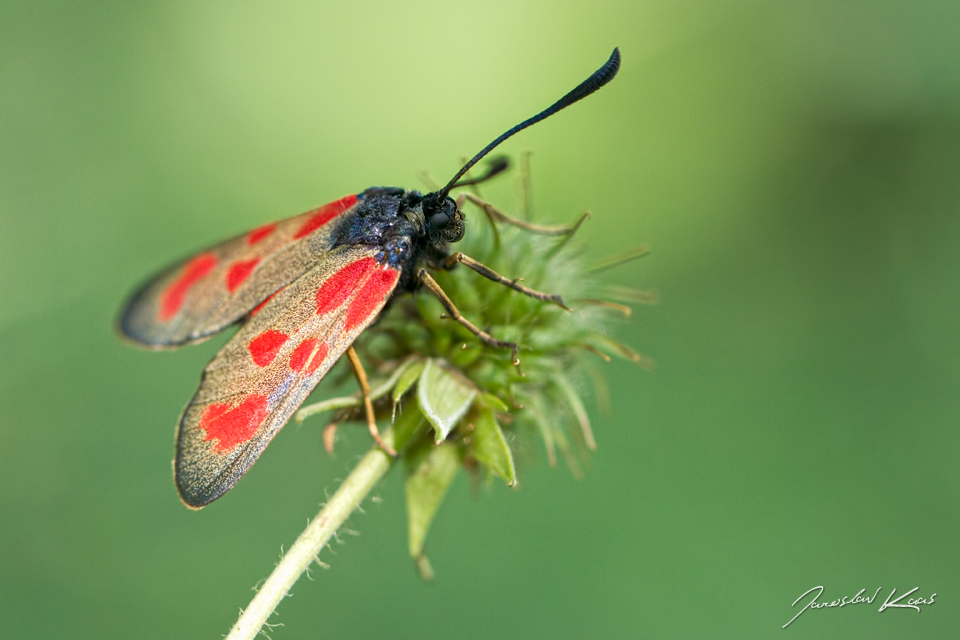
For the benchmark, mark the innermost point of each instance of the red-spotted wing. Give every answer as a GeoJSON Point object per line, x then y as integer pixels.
{"type": "Point", "coordinates": [259, 378]}
{"type": "Point", "coordinates": [200, 296]}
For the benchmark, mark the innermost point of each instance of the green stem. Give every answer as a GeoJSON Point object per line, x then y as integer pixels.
{"type": "Point", "coordinates": [304, 551]}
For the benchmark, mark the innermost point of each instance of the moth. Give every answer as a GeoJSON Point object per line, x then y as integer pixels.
{"type": "Point", "coordinates": [302, 290]}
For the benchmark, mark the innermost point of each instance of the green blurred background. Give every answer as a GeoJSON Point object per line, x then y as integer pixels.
{"type": "Point", "coordinates": [793, 165]}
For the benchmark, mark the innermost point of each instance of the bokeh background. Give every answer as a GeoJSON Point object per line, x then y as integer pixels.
{"type": "Point", "coordinates": [794, 166]}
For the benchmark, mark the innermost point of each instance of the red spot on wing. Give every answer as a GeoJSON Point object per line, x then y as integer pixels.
{"type": "Point", "coordinates": [338, 287]}
{"type": "Point", "coordinates": [240, 271]}
{"type": "Point", "coordinates": [372, 295]}
{"type": "Point", "coordinates": [302, 353]}
{"type": "Point", "coordinates": [308, 356]}
{"type": "Point", "coordinates": [175, 294]}
{"type": "Point", "coordinates": [260, 306]}
{"type": "Point", "coordinates": [231, 426]}
{"type": "Point", "coordinates": [264, 348]}
{"type": "Point", "coordinates": [260, 233]}
{"type": "Point", "coordinates": [324, 214]}
{"type": "Point", "coordinates": [318, 359]}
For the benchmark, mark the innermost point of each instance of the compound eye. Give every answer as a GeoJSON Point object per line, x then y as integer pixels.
{"type": "Point", "coordinates": [439, 221]}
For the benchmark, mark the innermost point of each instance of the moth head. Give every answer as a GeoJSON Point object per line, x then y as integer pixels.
{"type": "Point", "coordinates": [443, 220]}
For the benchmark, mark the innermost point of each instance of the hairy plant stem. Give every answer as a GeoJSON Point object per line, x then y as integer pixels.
{"type": "Point", "coordinates": [348, 497]}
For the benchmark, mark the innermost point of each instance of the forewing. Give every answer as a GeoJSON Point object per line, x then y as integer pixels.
{"type": "Point", "coordinates": [202, 295]}
{"type": "Point", "coordinates": [259, 378]}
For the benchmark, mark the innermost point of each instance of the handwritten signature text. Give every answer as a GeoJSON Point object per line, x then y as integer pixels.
{"type": "Point", "coordinates": [889, 603]}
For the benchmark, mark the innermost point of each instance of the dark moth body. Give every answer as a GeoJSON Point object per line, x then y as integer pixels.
{"type": "Point", "coordinates": [393, 219]}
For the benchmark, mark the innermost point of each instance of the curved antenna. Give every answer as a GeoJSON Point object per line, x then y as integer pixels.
{"type": "Point", "coordinates": [600, 77]}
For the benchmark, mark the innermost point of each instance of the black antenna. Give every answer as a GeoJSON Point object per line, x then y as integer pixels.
{"type": "Point", "coordinates": [600, 77]}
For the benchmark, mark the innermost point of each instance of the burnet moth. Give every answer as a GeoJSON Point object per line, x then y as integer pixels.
{"type": "Point", "coordinates": [302, 290]}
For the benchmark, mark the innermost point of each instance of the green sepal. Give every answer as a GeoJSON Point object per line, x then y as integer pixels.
{"type": "Point", "coordinates": [443, 397]}
{"type": "Point", "coordinates": [327, 405]}
{"type": "Point", "coordinates": [490, 447]}
{"type": "Point", "coordinates": [407, 427]}
{"type": "Point", "coordinates": [378, 391]}
{"type": "Point", "coordinates": [576, 405]}
{"type": "Point", "coordinates": [430, 469]}
{"type": "Point", "coordinates": [607, 344]}
{"type": "Point", "coordinates": [407, 379]}
{"type": "Point", "coordinates": [493, 402]}
{"type": "Point", "coordinates": [553, 434]}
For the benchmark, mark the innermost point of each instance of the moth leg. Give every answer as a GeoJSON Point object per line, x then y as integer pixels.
{"type": "Point", "coordinates": [490, 274]}
{"type": "Point", "coordinates": [367, 403]}
{"type": "Point", "coordinates": [454, 314]}
{"type": "Point", "coordinates": [548, 230]}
